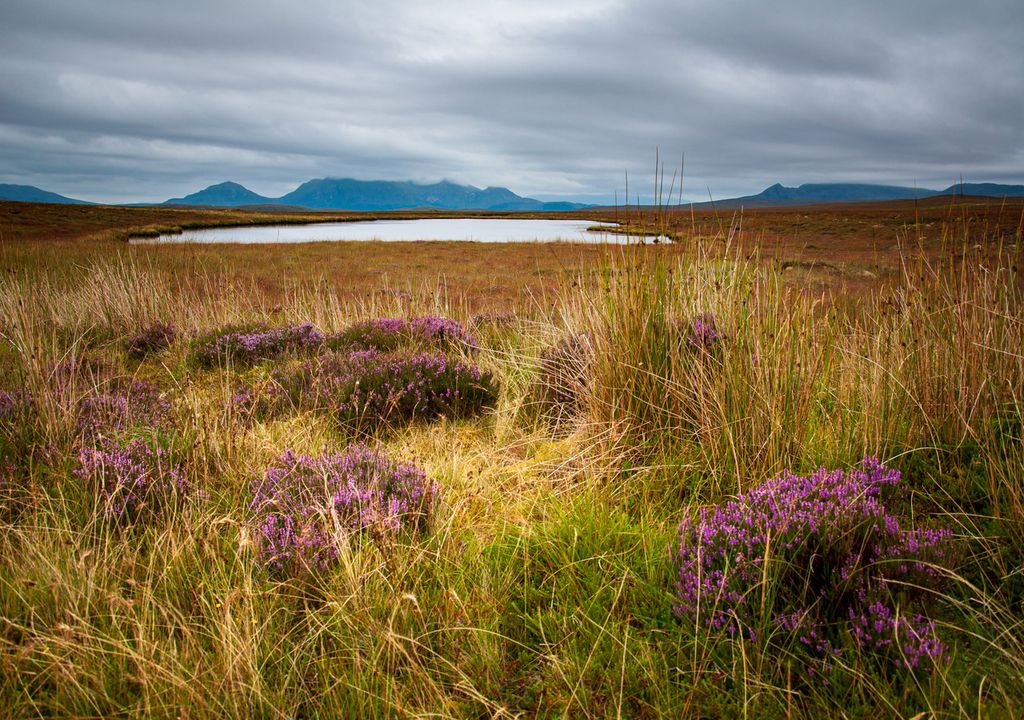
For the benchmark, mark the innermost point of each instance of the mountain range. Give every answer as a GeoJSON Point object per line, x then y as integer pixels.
{"type": "Point", "coordinates": [815, 193]}
{"type": "Point", "coordinates": [349, 194]}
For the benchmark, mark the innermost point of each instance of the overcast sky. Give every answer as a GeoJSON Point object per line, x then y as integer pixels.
{"type": "Point", "coordinates": [133, 100]}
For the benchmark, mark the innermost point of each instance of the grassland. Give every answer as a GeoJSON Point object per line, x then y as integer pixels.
{"type": "Point", "coordinates": [545, 582]}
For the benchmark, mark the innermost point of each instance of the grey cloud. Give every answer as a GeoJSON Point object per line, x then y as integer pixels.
{"type": "Point", "coordinates": [120, 100]}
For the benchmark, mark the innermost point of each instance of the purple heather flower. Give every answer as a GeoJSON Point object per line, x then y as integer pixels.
{"type": "Point", "coordinates": [563, 376]}
{"type": "Point", "coordinates": [368, 388]}
{"type": "Point", "coordinates": [118, 408]}
{"type": "Point", "coordinates": [388, 334]}
{"type": "Point", "coordinates": [134, 480]}
{"type": "Point", "coordinates": [13, 403]}
{"type": "Point", "coordinates": [251, 346]}
{"type": "Point", "coordinates": [303, 505]}
{"type": "Point", "coordinates": [832, 551]}
{"type": "Point", "coordinates": [703, 333]}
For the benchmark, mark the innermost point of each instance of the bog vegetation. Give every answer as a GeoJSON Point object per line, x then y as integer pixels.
{"type": "Point", "coordinates": [684, 486]}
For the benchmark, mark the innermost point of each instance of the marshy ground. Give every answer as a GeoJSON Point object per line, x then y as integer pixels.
{"type": "Point", "coordinates": [218, 500]}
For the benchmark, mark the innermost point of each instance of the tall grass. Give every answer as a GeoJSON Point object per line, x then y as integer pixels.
{"type": "Point", "coordinates": [795, 380]}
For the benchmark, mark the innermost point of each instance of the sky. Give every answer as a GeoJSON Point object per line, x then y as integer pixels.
{"type": "Point", "coordinates": [137, 101]}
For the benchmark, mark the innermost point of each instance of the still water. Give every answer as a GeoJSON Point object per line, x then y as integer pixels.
{"type": "Point", "coordinates": [484, 230]}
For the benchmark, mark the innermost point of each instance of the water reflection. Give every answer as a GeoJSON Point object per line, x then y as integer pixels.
{"type": "Point", "coordinates": [484, 230]}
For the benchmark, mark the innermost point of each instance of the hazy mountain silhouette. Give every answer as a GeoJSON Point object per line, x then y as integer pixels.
{"type": "Point", "coordinates": [349, 194]}
{"type": "Point", "coordinates": [379, 195]}
{"type": "Point", "coordinates": [225, 194]}
{"type": "Point", "coordinates": [30, 193]}
{"type": "Point", "coordinates": [985, 189]}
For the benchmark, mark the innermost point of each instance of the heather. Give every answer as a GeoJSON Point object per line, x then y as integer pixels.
{"type": "Point", "coordinates": [367, 389]}
{"type": "Point", "coordinates": [560, 389]}
{"type": "Point", "coordinates": [390, 334]}
{"type": "Point", "coordinates": [132, 482]}
{"type": "Point", "coordinates": [683, 482]}
{"type": "Point", "coordinates": [822, 558]}
{"type": "Point", "coordinates": [154, 338]}
{"type": "Point", "coordinates": [304, 506]}
{"type": "Point", "coordinates": [90, 399]}
{"type": "Point", "coordinates": [248, 345]}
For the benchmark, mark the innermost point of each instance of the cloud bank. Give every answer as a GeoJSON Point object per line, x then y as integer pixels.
{"type": "Point", "coordinates": [131, 100]}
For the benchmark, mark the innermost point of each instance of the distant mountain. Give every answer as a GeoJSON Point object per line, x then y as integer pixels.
{"type": "Point", "coordinates": [985, 189]}
{"type": "Point", "coordinates": [813, 193]}
{"type": "Point", "coordinates": [349, 194]}
{"type": "Point", "coordinates": [226, 194]}
{"type": "Point", "coordinates": [29, 193]}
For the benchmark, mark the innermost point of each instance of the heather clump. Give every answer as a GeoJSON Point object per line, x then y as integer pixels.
{"type": "Point", "coordinates": [92, 398]}
{"type": "Point", "coordinates": [303, 506]}
{"type": "Point", "coordinates": [260, 400]}
{"type": "Point", "coordinates": [702, 333]}
{"type": "Point", "coordinates": [367, 389]}
{"type": "Point", "coordinates": [821, 558]}
{"type": "Point", "coordinates": [151, 340]}
{"type": "Point", "coordinates": [390, 334]}
{"type": "Point", "coordinates": [134, 481]}
{"type": "Point", "coordinates": [493, 320]}
{"type": "Point", "coordinates": [562, 378]}
{"type": "Point", "coordinates": [253, 344]}
{"type": "Point", "coordinates": [119, 406]}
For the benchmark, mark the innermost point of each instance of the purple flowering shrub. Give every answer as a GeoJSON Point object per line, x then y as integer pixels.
{"type": "Point", "coordinates": [821, 558]}
{"type": "Point", "coordinates": [247, 345]}
{"type": "Point", "coordinates": [95, 399]}
{"type": "Point", "coordinates": [151, 340]}
{"type": "Point", "coordinates": [134, 481]}
{"type": "Point", "coordinates": [703, 334]}
{"type": "Point", "coordinates": [390, 334]}
{"type": "Point", "coordinates": [103, 403]}
{"type": "Point", "coordinates": [260, 400]}
{"type": "Point", "coordinates": [303, 506]}
{"type": "Point", "coordinates": [698, 335]}
{"type": "Point", "coordinates": [119, 406]}
{"type": "Point", "coordinates": [16, 492]}
{"type": "Point", "coordinates": [367, 389]}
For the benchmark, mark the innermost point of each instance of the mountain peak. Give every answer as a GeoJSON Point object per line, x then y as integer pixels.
{"type": "Point", "coordinates": [225, 194]}
{"type": "Point", "coordinates": [778, 190]}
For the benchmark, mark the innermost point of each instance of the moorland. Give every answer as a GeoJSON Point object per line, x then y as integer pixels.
{"type": "Point", "coordinates": [774, 468]}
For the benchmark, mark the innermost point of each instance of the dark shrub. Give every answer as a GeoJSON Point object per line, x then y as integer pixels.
{"type": "Point", "coordinates": [13, 405]}
{"type": "Point", "coordinates": [102, 402]}
{"type": "Point", "coordinates": [367, 389]}
{"type": "Point", "coordinates": [155, 338]}
{"type": "Point", "coordinates": [562, 377]}
{"type": "Point", "coordinates": [702, 333]}
{"type": "Point", "coordinates": [119, 406]}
